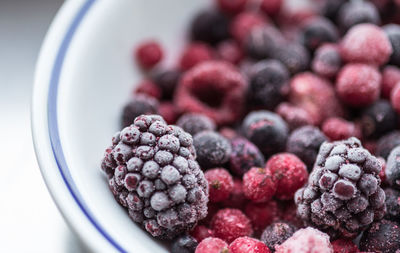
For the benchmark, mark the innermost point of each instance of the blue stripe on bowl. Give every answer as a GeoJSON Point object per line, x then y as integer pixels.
{"type": "Point", "coordinates": [53, 122]}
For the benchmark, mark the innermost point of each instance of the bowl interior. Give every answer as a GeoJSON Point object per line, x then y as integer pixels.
{"type": "Point", "coordinates": [96, 80]}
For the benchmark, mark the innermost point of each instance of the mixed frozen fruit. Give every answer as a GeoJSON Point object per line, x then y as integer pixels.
{"type": "Point", "coordinates": [277, 130]}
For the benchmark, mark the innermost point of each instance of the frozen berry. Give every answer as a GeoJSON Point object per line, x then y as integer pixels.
{"type": "Point", "coordinates": [340, 129]}
{"type": "Point", "coordinates": [153, 174]}
{"type": "Point", "coordinates": [316, 31]}
{"type": "Point", "coordinates": [213, 88]}
{"type": "Point", "coordinates": [266, 130]}
{"type": "Point", "coordinates": [262, 214]}
{"type": "Point", "coordinates": [168, 111]}
{"type": "Point", "coordinates": [210, 26]}
{"type": "Point", "coordinates": [212, 245]}
{"type": "Point", "coordinates": [244, 156]}
{"type": "Point", "coordinates": [259, 185]}
{"type": "Point", "coordinates": [295, 56]}
{"type": "Point", "coordinates": [304, 142]}
{"type": "Point", "coordinates": [236, 199]}
{"type": "Point", "coordinates": [390, 77]}
{"type": "Point", "coordinates": [148, 88]}
{"type": "Point", "coordinates": [139, 104]}
{"type": "Point", "coordinates": [271, 7]}
{"type": "Point", "coordinates": [306, 240]}
{"type": "Point", "coordinates": [378, 119]}
{"type": "Point", "coordinates": [231, 6]}
{"type": "Point", "coordinates": [268, 84]}
{"type": "Point", "coordinates": [383, 236]}
{"type": "Point", "coordinates": [366, 43]}
{"type": "Point", "coordinates": [343, 195]}
{"type": "Point", "coordinates": [290, 174]}
{"type": "Point", "coordinates": [392, 204]}
{"type": "Point", "coordinates": [262, 41]}
{"type": "Point", "coordinates": [229, 224]}
{"type": "Point", "coordinates": [184, 244]}
{"type": "Point", "coordinates": [194, 54]}
{"type": "Point", "coordinates": [395, 98]}
{"type": "Point", "coordinates": [393, 32]}
{"type": "Point", "coordinates": [327, 60]}
{"type": "Point", "coordinates": [230, 51]}
{"type": "Point", "coordinates": [294, 116]}
{"type": "Point", "coordinates": [244, 23]}
{"type": "Point", "coordinates": [167, 80]}
{"type": "Point", "coordinates": [344, 246]}
{"type": "Point", "coordinates": [386, 143]}
{"type": "Point", "coordinates": [288, 213]}
{"type": "Point", "coordinates": [276, 233]}
{"type": "Point", "coordinates": [330, 8]}
{"type": "Point", "coordinates": [194, 123]}
{"type": "Point", "coordinates": [358, 84]}
{"type": "Point", "coordinates": [357, 12]}
{"type": "Point", "coordinates": [148, 54]}
{"type": "Point", "coordinates": [382, 174]}
{"type": "Point", "coordinates": [248, 245]}
{"type": "Point", "coordinates": [212, 149]}
{"type": "Point", "coordinates": [392, 170]}
{"type": "Point", "coordinates": [220, 184]}
{"type": "Point", "coordinates": [201, 232]}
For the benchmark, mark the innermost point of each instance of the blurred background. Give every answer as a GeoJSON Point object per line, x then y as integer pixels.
{"type": "Point", "coordinates": [29, 219]}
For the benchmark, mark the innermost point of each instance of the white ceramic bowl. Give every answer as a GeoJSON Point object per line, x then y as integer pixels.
{"type": "Point", "coordinates": [84, 76]}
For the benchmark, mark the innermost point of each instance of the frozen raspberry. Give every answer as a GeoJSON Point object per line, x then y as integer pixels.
{"type": "Point", "coordinates": [210, 26]}
{"type": "Point", "coordinates": [294, 116]}
{"type": "Point", "coordinates": [290, 174]}
{"type": "Point", "coordinates": [383, 236]}
{"type": "Point", "coordinates": [194, 123]}
{"type": "Point", "coordinates": [358, 84]}
{"type": "Point", "coordinates": [366, 43]}
{"type": "Point", "coordinates": [236, 199]}
{"type": "Point", "coordinates": [316, 96]}
{"type": "Point", "coordinates": [148, 88]}
{"type": "Point", "coordinates": [220, 184]}
{"type": "Point", "coordinates": [395, 98]}
{"type": "Point", "coordinates": [229, 224]}
{"type": "Point", "coordinates": [184, 244]}
{"type": "Point", "coordinates": [262, 40]}
{"type": "Point", "coordinates": [392, 204]}
{"type": "Point", "coordinates": [386, 143]}
{"type": "Point", "coordinates": [231, 6]}
{"type": "Point", "coordinates": [295, 56]}
{"type": "Point", "coordinates": [138, 105]}
{"type": "Point", "coordinates": [267, 130]}
{"type": "Point", "coordinates": [357, 12]}
{"type": "Point", "coordinates": [262, 214]}
{"type": "Point", "coordinates": [244, 156]}
{"type": "Point", "coordinates": [244, 23]}
{"type": "Point", "coordinates": [201, 232]}
{"type": "Point", "coordinates": [230, 51]}
{"type": "Point", "coordinates": [304, 142]}
{"type": "Point", "coordinates": [343, 195]}
{"type": "Point", "coordinates": [392, 170]}
{"type": "Point", "coordinates": [390, 77]}
{"type": "Point", "coordinates": [337, 129]}
{"type": "Point", "coordinates": [344, 246]}
{"type": "Point", "coordinates": [378, 119]}
{"type": "Point", "coordinates": [276, 233]}
{"type": "Point", "coordinates": [212, 149]}
{"type": "Point", "coordinates": [167, 80]}
{"type": "Point", "coordinates": [248, 245]}
{"type": "Point", "coordinates": [316, 31]}
{"type": "Point", "coordinates": [271, 7]}
{"type": "Point", "coordinates": [212, 245]}
{"type": "Point", "coordinates": [307, 240]}
{"type": "Point", "coordinates": [194, 54]}
{"type": "Point", "coordinates": [148, 54]}
{"type": "Point", "coordinates": [268, 84]}
{"type": "Point", "coordinates": [327, 60]}
{"type": "Point", "coordinates": [213, 88]}
{"type": "Point", "coordinates": [259, 185]}
{"type": "Point", "coordinates": [153, 174]}
{"type": "Point", "coordinates": [168, 111]}
{"type": "Point", "coordinates": [393, 32]}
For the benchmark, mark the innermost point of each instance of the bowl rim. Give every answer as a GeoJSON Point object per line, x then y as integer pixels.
{"type": "Point", "coordinates": [45, 132]}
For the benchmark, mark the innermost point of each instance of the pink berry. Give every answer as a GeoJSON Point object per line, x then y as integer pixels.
{"type": "Point", "coordinates": [149, 88]}
{"type": "Point", "coordinates": [366, 43]}
{"type": "Point", "coordinates": [169, 112]}
{"type": "Point", "coordinates": [340, 129]}
{"type": "Point", "coordinates": [248, 245]}
{"type": "Point", "coordinates": [220, 184]}
{"type": "Point", "coordinates": [344, 246]}
{"type": "Point", "coordinates": [201, 232]}
{"type": "Point", "coordinates": [194, 54]}
{"type": "Point", "coordinates": [229, 224]}
{"type": "Point", "coordinates": [358, 84]}
{"type": "Point", "coordinates": [390, 77]}
{"type": "Point", "coordinates": [259, 185]}
{"type": "Point", "coordinates": [290, 174]}
{"type": "Point", "coordinates": [262, 214]}
{"type": "Point", "coordinates": [148, 54]}
{"type": "Point", "coordinates": [395, 97]}
{"type": "Point", "coordinates": [212, 245]}
{"type": "Point", "coordinates": [230, 51]}
{"type": "Point", "coordinates": [271, 7]}
{"type": "Point", "coordinates": [231, 6]}
{"type": "Point", "coordinates": [243, 23]}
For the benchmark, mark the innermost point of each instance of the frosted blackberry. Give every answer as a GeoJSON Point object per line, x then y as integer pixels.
{"type": "Point", "coordinates": [153, 173]}
{"type": "Point", "coordinates": [343, 194]}
{"type": "Point", "coordinates": [392, 170]}
{"type": "Point", "coordinates": [212, 149]}
{"type": "Point", "coordinates": [194, 123]}
{"type": "Point", "coordinates": [184, 244]}
{"type": "Point", "coordinates": [138, 105]}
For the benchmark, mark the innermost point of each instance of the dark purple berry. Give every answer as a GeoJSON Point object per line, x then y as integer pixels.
{"type": "Point", "coordinates": [357, 12]}
{"type": "Point", "coordinates": [331, 8]}
{"type": "Point", "coordinates": [210, 26]}
{"type": "Point", "coordinates": [262, 41]}
{"type": "Point", "coordinates": [392, 170]}
{"type": "Point", "coordinates": [316, 31]}
{"type": "Point", "coordinates": [194, 123]}
{"type": "Point", "coordinates": [294, 56]}
{"type": "Point", "coordinates": [378, 119]}
{"type": "Point", "coordinates": [276, 233]}
{"type": "Point", "coordinates": [138, 105]}
{"type": "Point", "coordinates": [327, 61]}
{"type": "Point", "coordinates": [382, 236]}
{"type": "Point", "coordinates": [167, 80]}
{"type": "Point", "coordinates": [386, 143]}
{"type": "Point", "coordinates": [244, 156]}
{"type": "Point", "coordinates": [392, 204]}
{"type": "Point", "coordinates": [393, 32]}
{"type": "Point", "coordinates": [184, 244]}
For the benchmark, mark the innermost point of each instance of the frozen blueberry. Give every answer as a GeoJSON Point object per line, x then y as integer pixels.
{"type": "Point", "coordinates": [386, 143]}
{"type": "Point", "coordinates": [357, 12]}
{"type": "Point", "coordinates": [167, 80]}
{"type": "Point", "coordinates": [184, 244]}
{"type": "Point", "coordinates": [316, 31]}
{"type": "Point", "coordinates": [138, 105]}
{"type": "Point", "coordinates": [194, 123]}
{"type": "Point", "coordinates": [244, 156]}
{"type": "Point", "coordinates": [331, 8]}
{"type": "Point", "coordinates": [378, 119]}
{"type": "Point", "coordinates": [210, 26]}
{"type": "Point", "coordinates": [295, 56]}
{"type": "Point", "coordinates": [392, 170]}
{"type": "Point", "coordinates": [393, 32]}
{"type": "Point", "coordinates": [262, 41]}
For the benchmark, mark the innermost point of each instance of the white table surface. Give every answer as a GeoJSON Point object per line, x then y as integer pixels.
{"type": "Point", "coordinates": [29, 220]}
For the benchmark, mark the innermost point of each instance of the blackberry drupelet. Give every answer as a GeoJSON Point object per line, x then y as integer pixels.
{"type": "Point", "coordinates": [153, 173]}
